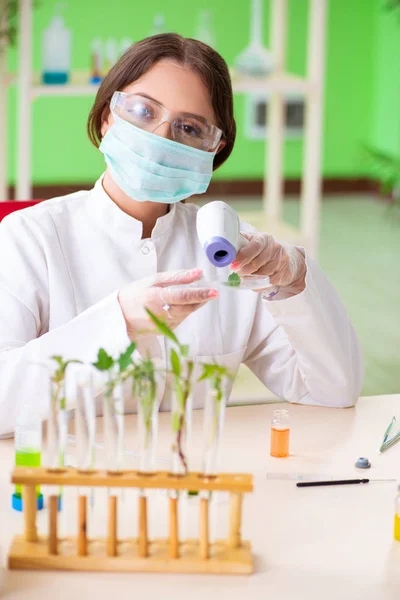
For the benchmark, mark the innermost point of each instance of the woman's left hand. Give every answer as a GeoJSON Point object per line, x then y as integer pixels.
{"type": "Point", "coordinates": [283, 263]}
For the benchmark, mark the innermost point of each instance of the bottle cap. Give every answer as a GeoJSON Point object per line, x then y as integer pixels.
{"type": "Point", "coordinates": [363, 463]}
{"type": "Point", "coordinates": [16, 502]}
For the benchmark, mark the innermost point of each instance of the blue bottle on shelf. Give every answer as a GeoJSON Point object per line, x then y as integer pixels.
{"type": "Point", "coordinates": [56, 50]}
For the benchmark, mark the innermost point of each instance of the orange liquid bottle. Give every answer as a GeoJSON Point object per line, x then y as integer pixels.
{"type": "Point", "coordinates": [280, 434]}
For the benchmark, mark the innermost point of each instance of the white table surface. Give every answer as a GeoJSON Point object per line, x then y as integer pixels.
{"type": "Point", "coordinates": [315, 543]}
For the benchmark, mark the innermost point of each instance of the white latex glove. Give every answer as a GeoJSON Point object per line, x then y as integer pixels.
{"type": "Point", "coordinates": [158, 295]}
{"type": "Point", "coordinates": [283, 263]}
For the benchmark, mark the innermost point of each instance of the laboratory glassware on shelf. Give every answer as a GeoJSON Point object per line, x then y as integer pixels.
{"type": "Point", "coordinates": [56, 50]}
{"type": "Point", "coordinates": [205, 31]}
{"type": "Point", "coordinates": [255, 60]}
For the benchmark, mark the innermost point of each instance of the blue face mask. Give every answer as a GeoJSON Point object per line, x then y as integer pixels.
{"type": "Point", "coordinates": [148, 167]}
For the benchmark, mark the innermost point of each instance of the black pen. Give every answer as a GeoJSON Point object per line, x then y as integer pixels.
{"type": "Point", "coordinates": [338, 482]}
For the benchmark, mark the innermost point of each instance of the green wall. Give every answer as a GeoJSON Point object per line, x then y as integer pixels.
{"type": "Point", "coordinates": [385, 131]}
{"type": "Point", "coordinates": [62, 153]}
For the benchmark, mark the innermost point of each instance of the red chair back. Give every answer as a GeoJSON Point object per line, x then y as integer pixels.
{"type": "Point", "coordinates": [8, 207]}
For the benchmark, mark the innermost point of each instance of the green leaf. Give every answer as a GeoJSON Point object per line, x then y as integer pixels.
{"type": "Point", "coordinates": [233, 280]}
{"type": "Point", "coordinates": [184, 350]}
{"type": "Point", "coordinates": [58, 359]}
{"type": "Point", "coordinates": [176, 422]}
{"type": "Point", "coordinates": [104, 361]}
{"type": "Point", "coordinates": [162, 327]}
{"type": "Point", "coordinates": [125, 358]}
{"type": "Point", "coordinates": [175, 363]}
{"type": "Point", "coordinates": [193, 493]}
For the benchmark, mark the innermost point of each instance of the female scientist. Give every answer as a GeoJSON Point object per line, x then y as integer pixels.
{"type": "Point", "coordinates": [77, 272]}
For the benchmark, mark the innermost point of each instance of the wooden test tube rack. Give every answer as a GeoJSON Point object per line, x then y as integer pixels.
{"type": "Point", "coordinates": [31, 551]}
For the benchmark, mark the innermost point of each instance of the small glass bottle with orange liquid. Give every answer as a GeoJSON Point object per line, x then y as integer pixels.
{"type": "Point", "coordinates": [280, 433]}
{"type": "Point", "coordinates": [397, 516]}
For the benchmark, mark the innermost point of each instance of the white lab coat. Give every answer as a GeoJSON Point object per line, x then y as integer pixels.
{"type": "Point", "coordinates": [63, 261]}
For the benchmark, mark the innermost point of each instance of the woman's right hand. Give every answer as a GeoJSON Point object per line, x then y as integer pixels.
{"type": "Point", "coordinates": [158, 295]}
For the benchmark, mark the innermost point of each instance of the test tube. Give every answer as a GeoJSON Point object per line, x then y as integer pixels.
{"type": "Point", "coordinates": [85, 418]}
{"type": "Point", "coordinates": [113, 405]}
{"type": "Point", "coordinates": [181, 428]}
{"type": "Point", "coordinates": [57, 428]}
{"type": "Point", "coordinates": [147, 422]}
{"type": "Point", "coordinates": [85, 425]}
{"type": "Point", "coordinates": [280, 434]}
{"type": "Point", "coordinates": [147, 425]}
{"type": "Point", "coordinates": [28, 430]}
{"type": "Point", "coordinates": [213, 425]}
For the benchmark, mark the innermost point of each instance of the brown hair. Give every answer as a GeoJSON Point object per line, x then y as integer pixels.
{"type": "Point", "coordinates": [140, 57]}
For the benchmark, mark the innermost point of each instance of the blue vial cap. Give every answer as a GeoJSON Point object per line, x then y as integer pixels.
{"type": "Point", "coordinates": [363, 463]}
{"type": "Point", "coordinates": [96, 80]}
{"type": "Point", "coordinates": [16, 502]}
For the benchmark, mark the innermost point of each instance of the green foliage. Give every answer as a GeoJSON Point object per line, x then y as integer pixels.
{"type": "Point", "coordinates": [125, 359]}
{"type": "Point", "coordinates": [182, 371]}
{"type": "Point", "coordinates": [392, 5]}
{"type": "Point", "coordinates": [176, 422]}
{"type": "Point", "coordinates": [175, 363]}
{"type": "Point", "coordinates": [9, 33]}
{"type": "Point", "coordinates": [386, 168]}
{"type": "Point", "coordinates": [58, 377]}
{"type": "Point", "coordinates": [233, 280]}
{"type": "Point", "coordinates": [163, 327]}
{"type": "Point", "coordinates": [144, 388]}
{"type": "Point", "coordinates": [104, 361]}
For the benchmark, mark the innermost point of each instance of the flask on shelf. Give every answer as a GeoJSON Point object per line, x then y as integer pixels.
{"type": "Point", "coordinates": [205, 29]}
{"type": "Point", "coordinates": [96, 52]}
{"type": "Point", "coordinates": [56, 50]}
{"type": "Point", "coordinates": [110, 54]}
{"type": "Point", "coordinates": [124, 45]}
{"type": "Point", "coordinates": [158, 25]}
{"type": "Point", "coordinates": [255, 60]}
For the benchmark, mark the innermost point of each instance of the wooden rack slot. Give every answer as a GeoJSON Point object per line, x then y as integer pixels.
{"type": "Point", "coordinates": [29, 505]}
{"type": "Point", "coordinates": [143, 536]}
{"type": "Point", "coordinates": [173, 528]}
{"type": "Point", "coordinates": [82, 526]}
{"type": "Point", "coordinates": [53, 539]}
{"type": "Point", "coordinates": [112, 526]}
{"type": "Point", "coordinates": [235, 521]}
{"type": "Point", "coordinates": [204, 544]}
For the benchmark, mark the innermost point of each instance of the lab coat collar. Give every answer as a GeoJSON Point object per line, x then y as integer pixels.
{"type": "Point", "coordinates": [107, 214]}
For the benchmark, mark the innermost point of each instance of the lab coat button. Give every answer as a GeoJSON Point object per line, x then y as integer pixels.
{"type": "Point", "coordinates": [145, 250]}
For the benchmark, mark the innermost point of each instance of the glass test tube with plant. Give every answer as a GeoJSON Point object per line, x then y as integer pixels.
{"type": "Point", "coordinates": [182, 372]}
{"type": "Point", "coordinates": [217, 377]}
{"type": "Point", "coordinates": [144, 389]}
{"type": "Point", "coordinates": [57, 433]}
{"type": "Point", "coordinates": [116, 372]}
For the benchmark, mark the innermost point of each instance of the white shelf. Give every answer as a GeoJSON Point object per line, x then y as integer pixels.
{"type": "Point", "coordinates": [79, 85]}
{"type": "Point", "coordinates": [284, 83]}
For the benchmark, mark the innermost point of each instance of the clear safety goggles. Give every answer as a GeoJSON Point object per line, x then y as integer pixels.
{"type": "Point", "coordinates": [148, 114]}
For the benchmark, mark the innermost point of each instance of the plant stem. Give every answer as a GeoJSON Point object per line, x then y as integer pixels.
{"type": "Point", "coordinates": [179, 443]}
